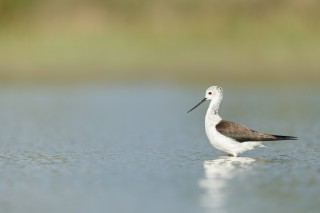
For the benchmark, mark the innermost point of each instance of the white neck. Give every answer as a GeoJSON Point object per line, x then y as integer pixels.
{"type": "Point", "coordinates": [213, 111]}
{"type": "Point", "coordinates": [214, 106]}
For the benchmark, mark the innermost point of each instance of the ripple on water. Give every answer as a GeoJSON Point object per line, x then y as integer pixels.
{"type": "Point", "coordinates": [89, 149]}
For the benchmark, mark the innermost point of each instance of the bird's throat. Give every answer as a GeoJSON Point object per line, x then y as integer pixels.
{"type": "Point", "coordinates": [213, 107]}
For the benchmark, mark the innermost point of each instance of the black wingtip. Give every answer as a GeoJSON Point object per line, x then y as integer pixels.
{"type": "Point", "coordinates": [282, 137]}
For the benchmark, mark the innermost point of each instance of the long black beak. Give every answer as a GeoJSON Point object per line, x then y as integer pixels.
{"type": "Point", "coordinates": [203, 100]}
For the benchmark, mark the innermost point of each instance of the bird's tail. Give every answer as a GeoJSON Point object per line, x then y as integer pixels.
{"type": "Point", "coordinates": [283, 137]}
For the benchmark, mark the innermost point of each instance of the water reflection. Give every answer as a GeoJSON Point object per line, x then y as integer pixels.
{"type": "Point", "coordinates": [218, 173]}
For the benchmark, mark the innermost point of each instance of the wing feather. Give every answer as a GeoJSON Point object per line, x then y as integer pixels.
{"type": "Point", "coordinates": [242, 133]}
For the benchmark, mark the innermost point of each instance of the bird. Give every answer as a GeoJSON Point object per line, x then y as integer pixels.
{"type": "Point", "coordinates": [227, 136]}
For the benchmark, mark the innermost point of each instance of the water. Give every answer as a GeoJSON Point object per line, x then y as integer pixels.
{"type": "Point", "coordinates": [134, 149]}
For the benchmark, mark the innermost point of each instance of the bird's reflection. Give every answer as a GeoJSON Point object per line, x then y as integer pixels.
{"type": "Point", "coordinates": [217, 174]}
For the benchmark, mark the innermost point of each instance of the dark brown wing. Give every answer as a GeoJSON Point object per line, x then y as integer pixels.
{"type": "Point", "coordinates": [242, 133]}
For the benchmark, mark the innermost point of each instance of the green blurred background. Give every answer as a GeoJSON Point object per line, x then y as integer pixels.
{"type": "Point", "coordinates": [188, 41]}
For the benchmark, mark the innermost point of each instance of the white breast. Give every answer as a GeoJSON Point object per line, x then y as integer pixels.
{"type": "Point", "coordinates": [218, 140]}
{"type": "Point", "coordinates": [224, 143]}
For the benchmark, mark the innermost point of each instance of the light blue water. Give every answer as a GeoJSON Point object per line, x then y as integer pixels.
{"type": "Point", "coordinates": [134, 149]}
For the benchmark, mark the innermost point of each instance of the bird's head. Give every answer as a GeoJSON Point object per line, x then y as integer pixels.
{"type": "Point", "coordinates": [213, 93]}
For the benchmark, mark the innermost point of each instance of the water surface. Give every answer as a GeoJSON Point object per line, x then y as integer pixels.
{"type": "Point", "coordinates": [134, 149]}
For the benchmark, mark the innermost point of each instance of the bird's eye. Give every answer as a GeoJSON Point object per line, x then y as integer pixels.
{"type": "Point", "coordinates": [209, 93]}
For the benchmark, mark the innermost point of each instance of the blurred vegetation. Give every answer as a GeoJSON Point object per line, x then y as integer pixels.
{"type": "Point", "coordinates": [167, 40]}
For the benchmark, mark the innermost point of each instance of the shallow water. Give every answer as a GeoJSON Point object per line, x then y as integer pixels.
{"type": "Point", "coordinates": [134, 149]}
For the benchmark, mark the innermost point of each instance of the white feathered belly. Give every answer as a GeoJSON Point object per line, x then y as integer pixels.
{"type": "Point", "coordinates": [229, 145]}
